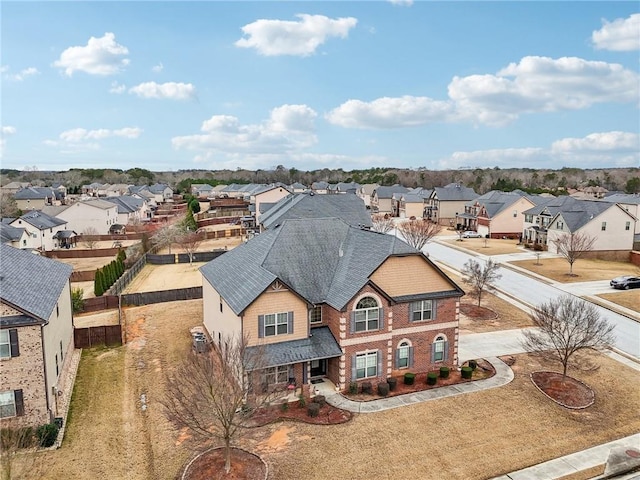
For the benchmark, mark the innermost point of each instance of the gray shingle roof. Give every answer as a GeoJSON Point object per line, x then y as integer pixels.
{"type": "Point", "coordinates": [324, 260]}
{"type": "Point", "coordinates": [30, 282]}
{"type": "Point", "coordinates": [349, 208]}
{"type": "Point", "coordinates": [583, 212]}
{"type": "Point", "coordinates": [387, 192]}
{"type": "Point", "coordinates": [41, 220]}
{"type": "Point", "coordinates": [9, 233]}
{"type": "Point", "coordinates": [321, 344]}
{"type": "Point", "coordinates": [629, 199]}
{"type": "Point", "coordinates": [34, 193]}
{"type": "Point", "coordinates": [126, 203]}
{"type": "Point", "coordinates": [454, 192]}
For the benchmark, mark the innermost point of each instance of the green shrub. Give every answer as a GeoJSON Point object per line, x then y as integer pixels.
{"type": "Point", "coordinates": [302, 402]}
{"type": "Point", "coordinates": [409, 378]}
{"type": "Point", "coordinates": [319, 399]}
{"type": "Point", "coordinates": [353, 388]}
{"type": "Point", "coordinates": [77, 300]}
{"type": "Point", "coordinates": [47, 434]}
{"type": "Point", "coordinates": [473, 364]}
{"type": "Point", "coordinates": [393, 382]}
{"type": "Point", "coordinates": [98, 288]}
{"type": "Point", "coordinates": [313, 409]}
{"type": "Point", "coordinates": [284, 406]}
{"type": "Point", "coordinates": [383, 389]}
{"type": "Point", "coordinates": [466, 372]}
{"type": "Point", "coordinates": [432, 378]}
{"type": "Point", "coordinates": [367, 388]}
{"type": "Point", "coordinates": [444, 372]}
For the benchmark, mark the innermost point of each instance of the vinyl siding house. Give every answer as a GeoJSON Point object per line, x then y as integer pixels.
{"type": "Point", "coordinates": [630, 202]}
{"type": "Point", "coordinates": [268, 195]}
{"type": "Point", "coordinates": [12, 236]}
{"type": "Point", "coordinates": [445, 203]}
{"type": "Point", "coordinates": [411, 204]}
{"type": "Point", "coordinates": [95, 214]}
{"type": "Point", "coordinates": [34, 198]}
{"type": "Point", "coordinates": [329, 300]}
{"type": "Point", "coordinates": [365, 191]}
{"type": "Point", "coordinates": [131, 209]}
{"type": "Point", "coordinates": [382, 199]}
{"type": "Point", "coordinates": [36, 336]}
{"type": "Point", "coordinates": [42, 230]}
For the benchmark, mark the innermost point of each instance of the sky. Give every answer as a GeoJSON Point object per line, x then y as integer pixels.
{"type": "Point", "coordinates": [213, 85]}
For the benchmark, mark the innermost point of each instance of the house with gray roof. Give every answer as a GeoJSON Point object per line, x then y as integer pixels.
{"type": "Point", "coordinates": [365, 191]}
{"type": "Point", "coordinates": [320, 187]}
{"type": "Point", "coordinates": [630, 202]}
{"type": "Point", "coordinates": [41, 230]}
{"type": "Point", "coordinates": [95, 215]}
{"type": "Point", "coordinates": [349, 208]}
{"type": "Point", "coordinates": [382, 199]}
{"type": "Point", "coordinates": [36, 336]}
{"type": "Point", "coordinates": [34, 198]}
{"type": "Point", "coordinates": [131, 209]}
{"type": "Point", "coordinates": [411, 203]}
{"type": "Point", "coordinates": [324, 299]}
{"type": "Point", "coordinates": [445, 203]}
{"type": "Point", "coordinates": [15, 237]}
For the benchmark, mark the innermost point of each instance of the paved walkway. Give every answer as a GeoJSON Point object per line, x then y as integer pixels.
{"type": "Point", "coordinates": [503, 376]}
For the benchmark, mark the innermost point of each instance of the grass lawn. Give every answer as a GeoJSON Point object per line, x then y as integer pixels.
{"type": "Point", "coordinates": [494, 246]}
{"type": "Point", "coordinates": [585, 270]}
{"type": "Point", "coordinates": [628, 299]}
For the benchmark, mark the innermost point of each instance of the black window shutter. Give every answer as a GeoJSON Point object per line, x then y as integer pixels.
{"type": "Point", "coordinates": [352, 322]}
{"type": "Point", "coordinates": [13, 341]}
{"type": "Point", "coordinates": [17, 395]}
{"type": "Point", "coordinates": [290, 322]}
{"type": "Point", "coordinates": [260, 326]}
{"type": "Point", "coordinates": [381, 317]}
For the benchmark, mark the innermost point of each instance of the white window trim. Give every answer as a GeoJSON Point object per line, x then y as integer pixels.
{"type": "Point", "coordinates": [422, 311]}
{"type": "Point", "coordinates": [438, 343]}
{"type": "Point", "coordinates": [404, 345]}
{"type": "Point", "coordinates": [311, 315]}
{"type": "Point", "coordinates": [273, 375]}
{"type": "Point", "coordinates": [367, 355]}
{"type": "Point", "coordinates": [276, 324]}
{"type": "Point", "coordinates": [3, 343]}
{"type": "Point", "coordinates": [9, 394]}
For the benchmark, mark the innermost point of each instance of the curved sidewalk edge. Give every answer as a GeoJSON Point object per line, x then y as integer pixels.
{"type": "Point", "coordinates": [503, 376]}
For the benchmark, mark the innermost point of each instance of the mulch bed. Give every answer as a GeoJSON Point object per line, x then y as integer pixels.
{"type": "Point", "coordinates": [328, 415]}
{"type": "Point", "coordinates": [568, 392]}
{"type": "Point", "coordinates": [477, 313]}
{"type": "Point", "coordinates": [210, 466]}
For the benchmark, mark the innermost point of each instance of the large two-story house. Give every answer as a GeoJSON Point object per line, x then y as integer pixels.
{"type": "Point", "coordinates": [329, 300]}
{"type": "Point", "coordinates": [42, 231]}
{"type": "Point", "coordinates": [36, 336]}
{"type": "Point", "coordinates": [94, 215]}
{"type": "Point", "coordinates": [445, 203]}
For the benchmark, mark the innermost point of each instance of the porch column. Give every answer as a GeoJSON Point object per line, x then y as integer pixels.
{"type": "Point", "coordinates": [305, 373]}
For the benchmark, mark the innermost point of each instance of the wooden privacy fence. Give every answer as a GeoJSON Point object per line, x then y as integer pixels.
{"type": "Point", "coordinates": [109, 335]}
{"type": "Point", "coordinates": [96, 304]}
{"type": "Point", "coordinates": [168, 259]}
{"type": "Point", "coordinates": [148, 298]}
{"type": "Point", "coordinates": [96, 252]}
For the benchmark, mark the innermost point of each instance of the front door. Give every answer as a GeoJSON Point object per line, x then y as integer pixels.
{"type": "Point", "coordinates": [318, 367]}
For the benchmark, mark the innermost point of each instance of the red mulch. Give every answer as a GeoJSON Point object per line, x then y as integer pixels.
{"type": "Point", "coordinates": [210, 466]}
{"type": "Point", "coordinates": [477, 313]}
{"type": "Point", "coordinates": [328, 415]}
{"type": "Point", "coordinates": [569, 392]}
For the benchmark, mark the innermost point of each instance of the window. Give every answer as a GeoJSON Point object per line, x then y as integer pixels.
{"type": "Point", "coordinates": [422, 310]}
{"type": "Point", "coordinates": [315, 315]}
{"type": "Point", "coordinates": [367, 365]}
{"type": "Point", "coordinates": [515, 213]}
{"type": "Point", "coordinates": [275, 375]}
{"type": "Point", "coordinates": [5, 346]}
{"type": "Point", "coordinates": [439, 349]}
{"type": "Point", "coordinates": [627, 226]}
{"type": "Point", "coordinates": [366, 315]}
{"type": "Point", "coordinates": [403, 355]}
{"type": "Point", "coordinates": [560, 225]}
{"type": "Point", "coordinates": [604, 226]}
{"type": "Point", "coordinates": [275, 324]}
{"type": "Point", "coordinates": [8, 404]}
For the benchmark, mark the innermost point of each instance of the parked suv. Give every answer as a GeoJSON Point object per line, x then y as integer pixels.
{"type": "Point", "coordinates": [471, 234]}
{"type": "Point", "coordinates": [625, 282]}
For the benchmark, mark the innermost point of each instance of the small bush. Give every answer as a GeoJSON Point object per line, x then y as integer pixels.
{"type": "Point", "coordinates": [284, 406]}
{"type": "Point", "coordinates": [77, 300]}
{"type": "Point", "coordinates": [302, 402]}
{"type": "Point", "coordinates": [538, 247]}
{"type": "Point", "coordinates": [383, 389]}
{"type": "Point", "coordinates": [353, 388]}
{"type": "Point", "coordinates": [409, 378]}
{"type": "Point", "coordinates": [473, 364]}
{"type": "Point", "coordinates": [47, 434]}
{"type": "Point", "coordinates": [392, 382]}
{"type": "Point", "coordinates": [367, 388]}
{"type": "Point", "coordinates": [319, 399]}
{"type": "Point", "coordinates": [432, 378]}
{"type": "Point", "coordinates": [313, 409]}
{"type": "Point", "coordinates": [444, 372]}
{"type": "Point", "coordinates": [466, 372]}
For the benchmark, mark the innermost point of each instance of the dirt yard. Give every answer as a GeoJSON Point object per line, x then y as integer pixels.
{"type": "Point", "coordinates": [105, 317]}
{"type": "Point", "coordinates": [492, 246]}
{"type": "Point", "coordinates": [112, 435]}
{"type": "Point", "coordinates": [166, 277]}
{"type": "Point", "coordinates": [585, 270]}
{"type": "Point", "coordinates": [628, 299]}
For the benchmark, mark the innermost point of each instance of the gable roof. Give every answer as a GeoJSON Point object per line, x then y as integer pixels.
{"type": "Point", "coordinates": [349, 208]}
{"type": "Point", "coordinates": [9, 233]}
{"type": "Point", "coordinates": [454, 192]}
{"type": "Point", "coordinates": [578, 214]}
{"type": "Point", "coordinates": [40, 220]}
{"type": "Point", "coordinates": [31, 283]}
{"type": "Point", "coordinates": [624, 198]}
{"type": "Point", "coordinates": [34, 193]}
{"type": "Point", "coordinates": [387, 192]}
{"type": "Point", "coordinates": [323, 260]}
{"type": "Point", "coordinates": [497, 201]}
{"type": "Point", "coordinates": [126, 203]}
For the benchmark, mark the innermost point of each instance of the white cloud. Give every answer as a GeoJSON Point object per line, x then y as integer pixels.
{"type": "Point", "coordinates": [386, 112]}
{"type": "Point", "coordinates": [21, 75]}
{"type": "Point", "coordinates": [619, 149]}
{"type": "Point", "coordinates": [169, 90]}
{"type": "Point", "coordinates": [621, 35]}
{"type": "Point", "coordinates": [5, 131]}
{"type": "Point", "coordinates": [298, 38]}
{"type": "Point", "coordinates": [81, 137]}
{"type": "Point", "coordinates": [117, 88]}
{"type": "Point", "coordinates": [101, 56]}
{"type": "Point", "coordinates": [401, 3]}
{"type": "Point", "coordinates": [535, 84]}
{"type": "Point", "coordinates": [290, 128]}
{"type": "Point", "coordinates": [157, 68]}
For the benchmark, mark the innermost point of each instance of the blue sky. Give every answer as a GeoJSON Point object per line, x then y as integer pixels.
{"type": "Point", "coordinates": [213, 85]}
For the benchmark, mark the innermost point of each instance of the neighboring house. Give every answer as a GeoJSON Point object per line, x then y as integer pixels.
{"type": "Point", "coordinates": [96, 214]}
{"type": "Point", "coordinates": [445, 203]}
{"type": "Point", "coordinates": [116, 190]}
{"type": "Point", "coordinates": [630, 202]}
{"type": "Point", "coordinates": [34, 198]}
{"type": "Point", "coordinates": [92, 189]}
{"type": "Point", "coordinates": [15, 237]}
{"type": "Point", "coordinates": [268, 195]}
{"type": "Point", "coordinates": [342, 187]}
{"type": "Point", "coordinates": [217, 190]}
{"type": "Point", "coordinates": [297, 187]}
{"type": "Point", "coordinates": [411, 204]}
{"type": "Point", "coordinates": [348, 208]}
{"type": "Point", "coordinates": [12, 188]}
{"type": "Point", "coordinates": [160, 193]}
{"type": "Point", "coordinates": [496, 214]}
{"type": "Point", "coordinates": [41, 230]}
{"type": "Point", "coordinates": [382, 199]}
{"type": "Point", "coordinates": [365, 191]}
{"type": "Point", "coordinates": [131, 209]}
{"type": "Point", "coordinates": [36, 336]}
{"type": "Point", "coordinates": [325, 299]}
{"type": "Point", "coordinates": [320, 188]}
{"type": "Point", "coordinates": [202, 190]}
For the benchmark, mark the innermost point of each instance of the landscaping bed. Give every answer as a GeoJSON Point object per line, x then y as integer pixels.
{"type": "Point", "coordinates": [210, 466]}
{"type": "Point", "coordinates": [567, 391]}
{"type": "Point", "coordinates": [327, 414]}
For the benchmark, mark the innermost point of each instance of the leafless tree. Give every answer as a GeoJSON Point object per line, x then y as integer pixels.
{"type": "Point", "coordinates": [211, 393]}
{"type": "Point", "coordinates": [17, 448]}
{"type": "Point", "coordinates": [8, 206]}
{"type": "Point", "coordinates": [573, 246]}
{"type": "Point", "coordinates": [190, 241]}
{"type": "Point", "coordinates": [567, 325]}
{"type": "Point", "coordinates": [382, 223]}
{"type": "Point", "coordinates": [89, 238]}
{"type": "Point", "coordinates": [166, 236]}
{"type": "Point", "coordinates": [418, 233]}
{"type": "Point", "coordinates": [481, 278]}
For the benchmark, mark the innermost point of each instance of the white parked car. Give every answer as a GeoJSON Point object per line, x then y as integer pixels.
{"type": "Point", "coordinates": [471, 234]}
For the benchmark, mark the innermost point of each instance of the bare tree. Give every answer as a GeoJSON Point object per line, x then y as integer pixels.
{"type": "Point", "coordinates": [418, 233]}
{"type": "Point", "coordinates": [8, 206]}
{"type": "Point", "coordinates": [166, 236]}
{"type": "Point", "coordinates": [89, 238]}
{"type": "Point", "coordinates": [190, 241]}
{"type": "Point", "coordinates": [18, 445]}
{"type": "Point", "coordinates": [567, 325]}
{"type": "Point", "coordinates": [573, 246]}
{"type": "Point", "coordinates": [382, 223]}
{"type": "Point", "coordinates": [480, 278]}
{"type": "Point", "coordinates": [211, 393]}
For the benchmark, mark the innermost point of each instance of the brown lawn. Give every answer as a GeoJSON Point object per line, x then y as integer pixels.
{"type": "Point", "coordinates": [628, 299]}
{"type": "Point", "coordinates": [585, 270]}
{"type": "Point", "coordinates": [480, 435]}
{"type": "Point", "coordinates": [104, 317]}
{"type": "Point", "coordinates": [166, 277]}
{"type": "Point", "coordinates": [84, 264]}
{"type": "Point", "coordinates": [492, 246]}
